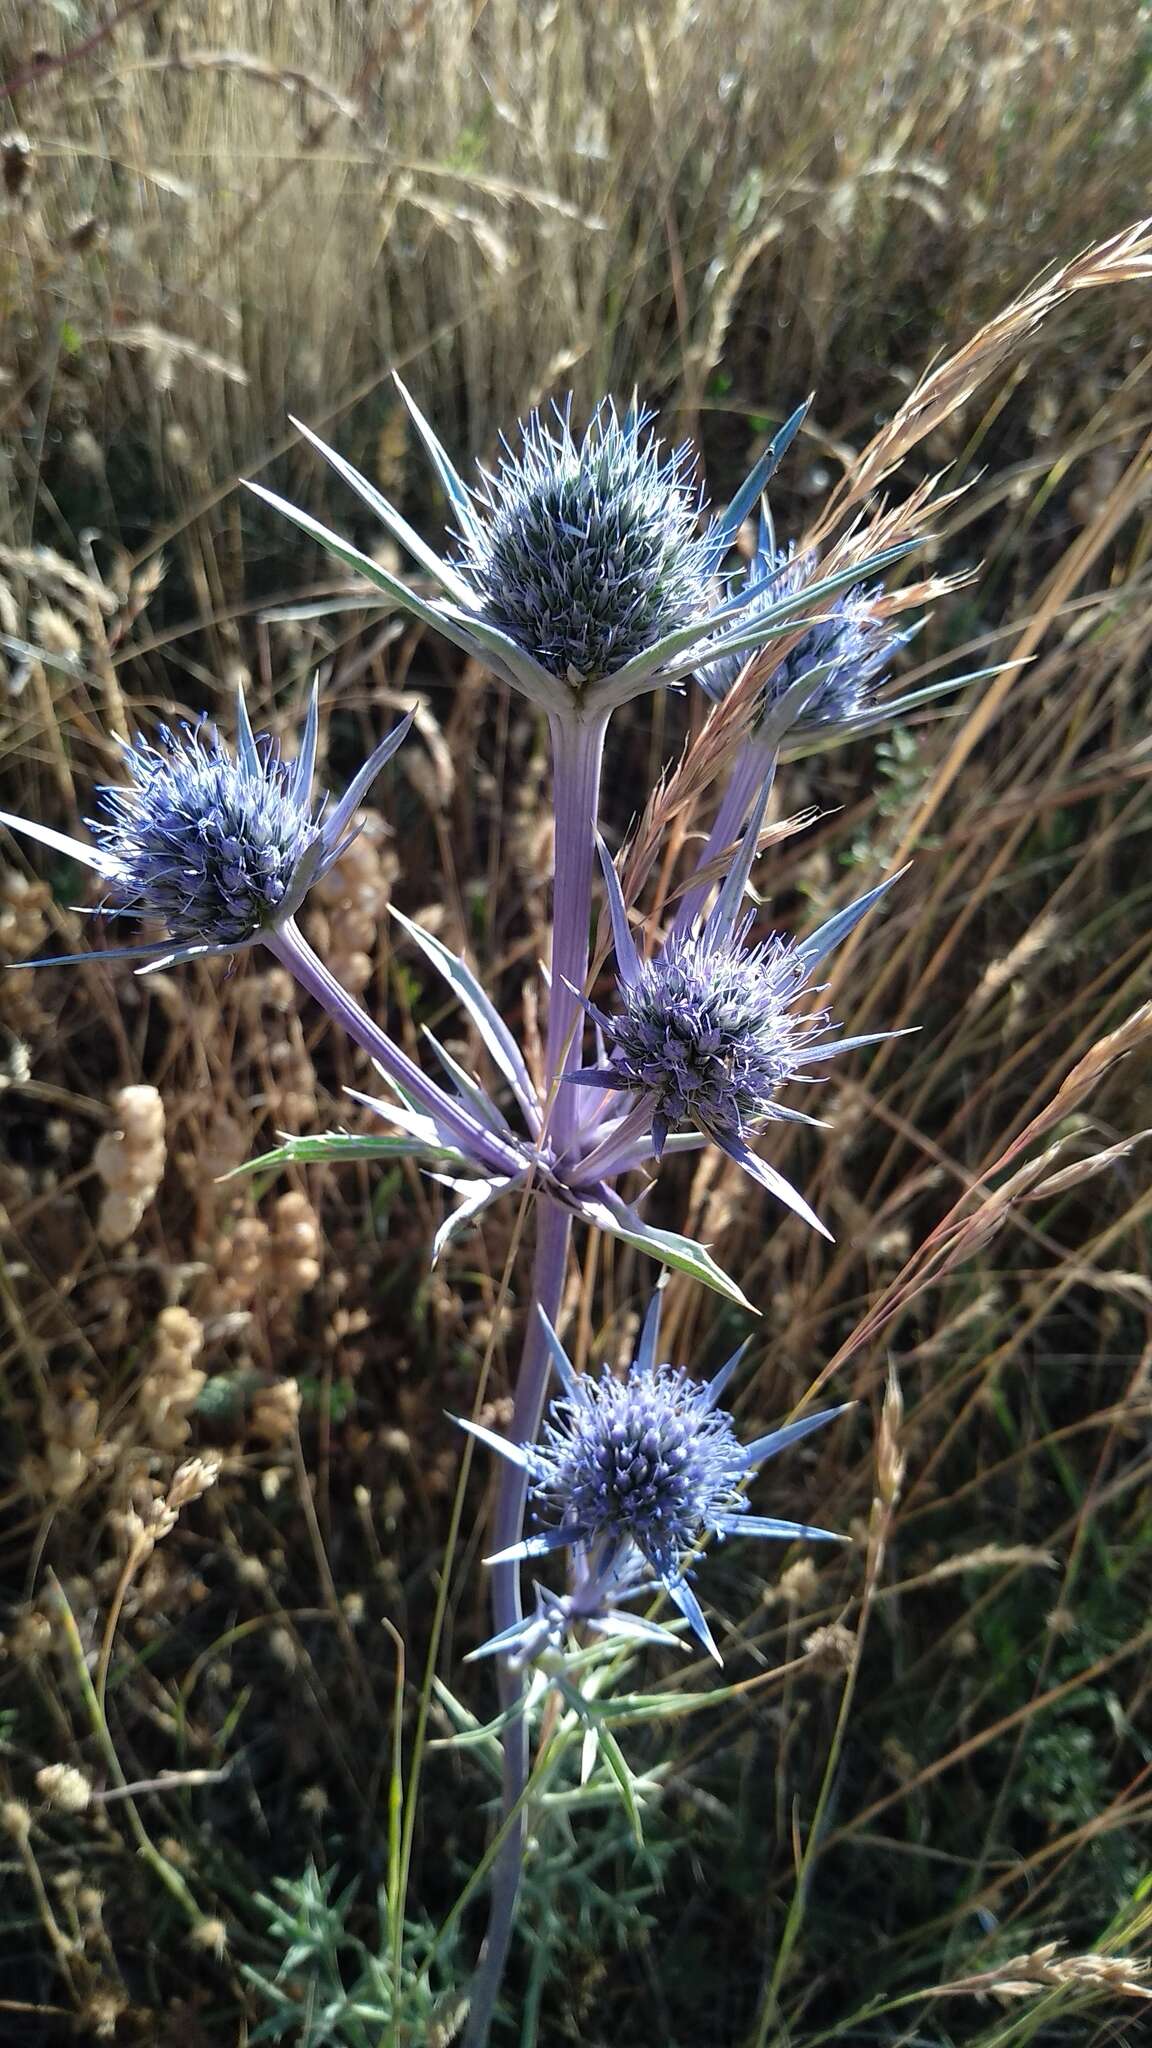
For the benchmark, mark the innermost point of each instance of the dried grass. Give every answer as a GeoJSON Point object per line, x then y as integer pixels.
{"type": "Point", "coordinates": [731, 205]}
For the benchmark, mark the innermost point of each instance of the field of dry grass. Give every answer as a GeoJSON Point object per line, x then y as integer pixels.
{"type": "Point", "coordinates": [929, 1759]}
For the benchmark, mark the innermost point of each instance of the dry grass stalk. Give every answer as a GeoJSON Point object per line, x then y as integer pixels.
{"type": "Point", "coordinates": [1048, 1969]}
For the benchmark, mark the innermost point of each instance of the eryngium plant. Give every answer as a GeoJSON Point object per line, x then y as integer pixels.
{"type": "Point", "coordinates": [580, 573]}
{"type": "Point", "coordinates": [708, 1031]}
{"type": "Point", "coordinates": [583, 572]}
{"type": "Point", "coordinates": [851, 648]}
{"type": "Point", "coordinates": [587, 552]}
{"type": "Point", "coordinates": [218, 848]}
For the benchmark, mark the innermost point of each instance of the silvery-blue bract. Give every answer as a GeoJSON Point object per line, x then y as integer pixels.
{"type": "Point", "coordinates": [632, 1474]}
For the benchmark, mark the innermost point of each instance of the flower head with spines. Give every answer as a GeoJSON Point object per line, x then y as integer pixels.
{"type": "Point", "coordinates": [587, 551]}
{"type": "Point", "coordinates": [632, 1474]}
{"type": "Point", "coordinates": [853, 644]}
{"type": "Point", "coordinates": [203, 844]}
{"type": "Point", "coordinates": [707, 1031]}
{"type": "Point", "coordinates": [582, 573]}
{"type": "Point", "coordinates": [219, 847]}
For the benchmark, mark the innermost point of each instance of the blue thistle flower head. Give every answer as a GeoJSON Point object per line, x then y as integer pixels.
{"type": "Point", "coordinates": [854, 643]}
{"type": "Point", "coordinates": [644, 1460]}
{"type": "Point", "coordinates": [209, 846]}
{"type": "Point", "coordinates": [707, 1033]}
{"type": "Point", "coordinates": [586, 552]}
{"type": "Point", "coordinates": [583, 574]}
{"type": "Point", "coordinates": [633, 1474]}
{"type": "Point", "coordinates": [218, 847]}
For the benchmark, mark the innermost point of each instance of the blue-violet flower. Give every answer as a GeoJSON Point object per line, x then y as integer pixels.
{"type": "Point", "coordinates": [707, 1031]}
{"type": "Point", "coordinates": [632, 1474]}
{"type": "Point", "coordinates": [582, 574]}
{"type": "Point", "coordinates": [853, 645]}
{"type": "Point", "coordinates": [217, 847]}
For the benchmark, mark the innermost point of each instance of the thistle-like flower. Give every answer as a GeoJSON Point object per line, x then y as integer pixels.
{"type": "Point", "coordinates": [582, 576]}
{"type": "Point", "coordinates": [220, 849]}
{"type": "Point", "coordinates": [708, 1032]}
{"type": "Point", "coordinates": [217, 848]}
{"type": "Point", "coordinates": [850, 648]}
{"type": "Point", "coordinates": [587, 552]}
{"type": "Point", "coordinates": [845, 653]}
{"type": "Point", "coordinates": [633, 1475]}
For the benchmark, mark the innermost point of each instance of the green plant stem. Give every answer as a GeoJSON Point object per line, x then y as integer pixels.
{"type": "Point", "coordinates": [770, 2011]}
{"type": "Point", "coordinates": [167, 1873]}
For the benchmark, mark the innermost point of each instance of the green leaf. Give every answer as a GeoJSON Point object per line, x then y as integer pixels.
{"type": "Point", "coordinates": [663, 1706]}
{"type": "Point", "coordinates": [682, 1254]}
{"type": "Point", "coordinates": [617, 1763]}
{"type": "Point", "coordinates": [609, 1748]}
{"type": "Point", "coordinates": [342, 1145]}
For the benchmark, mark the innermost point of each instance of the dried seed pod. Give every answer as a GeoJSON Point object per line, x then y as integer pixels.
{"type": "Point", "coordinates": [130, 1162]}
{"type": "Point", "coordinates": [169, 1391]}
{"type": "Point", "coordinates": [275, 1411]}
{"type": "Point", "coordinates": [294, 1245]}
{"type": "Point", "coordinates": [291, 1099]}
{"type": "Point", "coordinates": [54, 632]}
{"type": "Point", "coordinates": [352, 902]}
{"type": "Point", "coordinates": [831, 1649]}
{"type": "Point", "coordinates": [23, 914]}
{"type": "Point", "coordinates": [241, 1260]}
{"type": "Point", "coordinates": [64, 1787]}
{"type": "Point", "coordinates": [71, 1428]}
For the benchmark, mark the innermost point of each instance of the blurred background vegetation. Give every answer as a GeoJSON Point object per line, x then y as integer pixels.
{"type": "Point", "coordinates": [213, 215]}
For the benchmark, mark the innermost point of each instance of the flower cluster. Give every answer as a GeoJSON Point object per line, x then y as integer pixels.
{"type": "Point", "coordinates": [707, 1033]}
{"type": "Point", "coordinates": [633, 1474]}
{"type": "Point", "coordinates": [583, 573]}
{"type": "Point", "coordinates": [205, 843]}
{"type": "Point", "coordinates": [645, 1459]}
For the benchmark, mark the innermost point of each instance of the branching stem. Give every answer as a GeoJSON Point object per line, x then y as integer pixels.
{"type": "Point", "coordinates": [577, 749]}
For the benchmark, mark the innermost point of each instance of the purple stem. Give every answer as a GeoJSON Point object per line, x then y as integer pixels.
{"type": "Point", "coordinates": [554, 1228]}
{"type": "Point", "coordinates": [291, 948]}
{"type": "Point", "coordinates": [577, 755]}
{"type": "Point", "coordinates": [607, 1158]}
{"type": "Point", "coordinates": [755, 764]}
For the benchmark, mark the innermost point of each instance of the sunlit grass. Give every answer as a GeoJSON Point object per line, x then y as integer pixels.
{"type": "Point", "coordinates": [940, 1732]}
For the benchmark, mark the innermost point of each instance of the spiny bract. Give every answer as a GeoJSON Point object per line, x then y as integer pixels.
{"type": "Point", "coordinates": [585, 552]}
